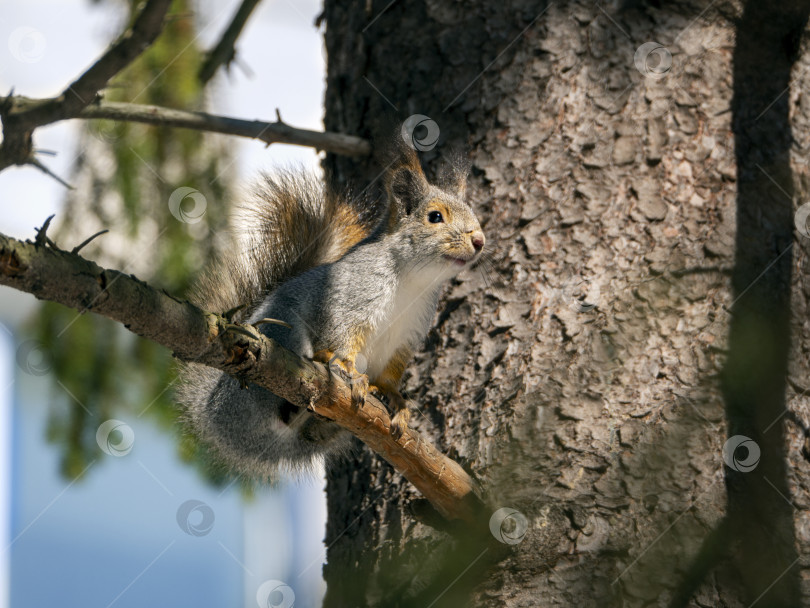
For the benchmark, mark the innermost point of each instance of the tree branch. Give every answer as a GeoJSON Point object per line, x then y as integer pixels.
{"type": "Point", "coordinates": [122, 52]}
{"type": "Point", "coordinates": [224, 52]}
{"type": "Point", "coordinates": [268, 132]}
{"type": "Point", "coordinates": [21, 115]}
{"type": "Point", "coordinates": [195, 335]}
{"type": "Point", "coordinates": [18, 127]}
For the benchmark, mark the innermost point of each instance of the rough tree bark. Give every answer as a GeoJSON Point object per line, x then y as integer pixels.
{"type": "Point", "coordinates": [582, 383]}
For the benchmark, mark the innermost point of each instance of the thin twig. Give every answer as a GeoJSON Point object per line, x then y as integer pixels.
{"type": "Point", "coordinates": [42, 232]}
{"type": "Point", "coordinates": [87, 241]}
{"type": "Point", "coordinates": [224, 52]}
{"type": "Point", "coordinates": [34, 162]}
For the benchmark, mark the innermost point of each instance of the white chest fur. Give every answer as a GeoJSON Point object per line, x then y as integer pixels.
{"type": "Point", "coordinates": [403, 322]}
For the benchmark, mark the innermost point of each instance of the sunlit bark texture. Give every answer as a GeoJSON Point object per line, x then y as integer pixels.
{"type": "Point", "coordinates": [592, 379]}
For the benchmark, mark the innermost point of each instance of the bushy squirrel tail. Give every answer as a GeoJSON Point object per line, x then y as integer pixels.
{"type": "Point", "coordinates": [290, 223]}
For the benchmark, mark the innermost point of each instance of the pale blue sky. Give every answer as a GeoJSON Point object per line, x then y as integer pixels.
{"type": "Point", "coordinates": [113, 537]}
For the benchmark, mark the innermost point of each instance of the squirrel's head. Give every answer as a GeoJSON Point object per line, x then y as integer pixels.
{"type": "Point", "coordinates": [439, 226]}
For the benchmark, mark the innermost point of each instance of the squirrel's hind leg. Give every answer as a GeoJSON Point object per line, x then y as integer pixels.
{"type": "Point", "coordinates": [388, 384]}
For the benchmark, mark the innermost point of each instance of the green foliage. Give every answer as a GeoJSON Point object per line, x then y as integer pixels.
{"type": "Point", "coordinates": [125, 175]}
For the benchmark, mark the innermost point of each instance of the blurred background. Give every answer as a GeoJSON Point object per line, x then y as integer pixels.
{"type": "Point", "coordinates": [131, 512]}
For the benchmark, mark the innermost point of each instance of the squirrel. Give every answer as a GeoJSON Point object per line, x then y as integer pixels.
{"type": "Point", "coordinates": [358, 283]}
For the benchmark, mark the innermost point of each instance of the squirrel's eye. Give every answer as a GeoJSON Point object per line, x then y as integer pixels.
{"type": "Point", "coordinates": [435, 217]}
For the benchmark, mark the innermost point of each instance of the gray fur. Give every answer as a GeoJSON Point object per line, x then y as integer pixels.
{"type": "Point", "coordinates": [388, 284]}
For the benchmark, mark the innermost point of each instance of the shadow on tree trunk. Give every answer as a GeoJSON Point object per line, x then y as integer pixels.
{"type": "Point", "coordinates": [758, 531]}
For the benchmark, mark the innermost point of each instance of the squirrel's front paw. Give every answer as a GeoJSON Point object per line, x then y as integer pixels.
{"type": "Point", "coordinates": [346, 368]}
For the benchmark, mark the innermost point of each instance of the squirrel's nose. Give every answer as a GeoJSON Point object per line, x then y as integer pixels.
{"type": "Point", "coordinates": [478, 240]}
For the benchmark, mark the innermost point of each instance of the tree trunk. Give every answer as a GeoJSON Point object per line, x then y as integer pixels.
{"type": "Point", "coordinates": [580, 379]}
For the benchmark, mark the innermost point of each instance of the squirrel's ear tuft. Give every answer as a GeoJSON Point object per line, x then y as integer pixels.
{"type": "Point", "coordinates": [453, 177]}
{"type": "Point", "coordinates": [406, 186]}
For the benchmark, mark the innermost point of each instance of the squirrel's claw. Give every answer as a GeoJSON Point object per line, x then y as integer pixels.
{"type": "Point", "coordinates": [240, 329]}
{"type": "Point", "coordinates": [246, 331]}
{"type": "Point", "coordinates": [345, 368]}
{"type": "Point", "coordinates": [359, 389]}
{"type": "Point", "coordinates": [274, 322]}
{"type": "Point", "coordinates": [399, 421]}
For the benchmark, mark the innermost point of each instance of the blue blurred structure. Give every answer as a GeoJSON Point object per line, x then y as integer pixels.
{"type": "Point", "coordinates": [112, 538]}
